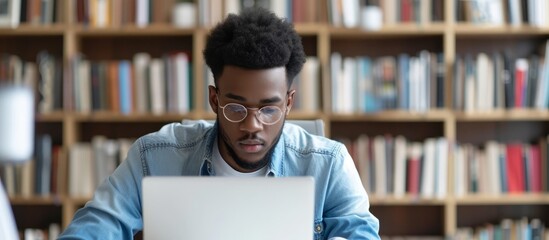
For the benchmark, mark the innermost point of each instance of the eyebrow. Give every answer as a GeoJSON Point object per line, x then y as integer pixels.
{"type": "Point", "coordinates": [262, 101]}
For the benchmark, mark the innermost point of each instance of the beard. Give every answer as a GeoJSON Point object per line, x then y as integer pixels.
{"type": "Point", "coordinates": [245, 164]}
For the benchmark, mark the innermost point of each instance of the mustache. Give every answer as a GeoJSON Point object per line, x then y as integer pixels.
{"type": "Point", "coordinates": [251, 139]}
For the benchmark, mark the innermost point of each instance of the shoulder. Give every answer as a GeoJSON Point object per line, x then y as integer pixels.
{"type": "Point", "coordinates": [179, 135]}
{"type": "Point", "coordinates": [297, 139]}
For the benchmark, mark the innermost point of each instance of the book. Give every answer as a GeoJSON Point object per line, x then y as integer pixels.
{"type": "Point", "coordinates": [515, 168]}
{"type": "Point", "coordinates": [413, 171]}
{"type": "Point", "coordinates": [43, 167]}
{"type": "Point", "coordinates": [427, 187]}
{"type": "Point", "coordinates": [380, 166]}
{"type": "Point", "coordinates": [441, 168]}
{"type": "Point", "coordinates": [80, 178]}
{"type": "Point", "coordinates": [399, 181]}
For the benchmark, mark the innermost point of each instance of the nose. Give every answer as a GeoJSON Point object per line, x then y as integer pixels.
{"type": "Point", "coordinates": [251, 123]}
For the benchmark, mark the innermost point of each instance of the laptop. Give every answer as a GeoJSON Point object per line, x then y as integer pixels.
{"type": "Point", "coordinates": [228, 208]}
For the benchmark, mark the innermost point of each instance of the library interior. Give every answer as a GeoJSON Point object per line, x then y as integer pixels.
{"type": "Point", "coordinates": [399, 82]}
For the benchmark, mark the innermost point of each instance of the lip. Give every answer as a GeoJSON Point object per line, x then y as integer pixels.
{"type": "Point", "coordinates": [251, 146]}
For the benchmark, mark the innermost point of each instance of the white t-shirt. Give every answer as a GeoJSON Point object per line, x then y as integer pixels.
{"type": "Point", "coordinates": [222, 168]}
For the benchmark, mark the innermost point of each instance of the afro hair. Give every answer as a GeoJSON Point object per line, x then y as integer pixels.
{"type": "Point", "coordinates": [254, 39]}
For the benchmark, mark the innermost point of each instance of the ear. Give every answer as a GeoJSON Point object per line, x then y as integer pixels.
{"type": "Point", "coordinates": [290, 102]}
{"type": "Point", "coordinates": [212, 97]}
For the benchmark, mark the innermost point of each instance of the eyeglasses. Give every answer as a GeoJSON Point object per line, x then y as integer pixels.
{"type": "Point", "coordinates": [267, 115]}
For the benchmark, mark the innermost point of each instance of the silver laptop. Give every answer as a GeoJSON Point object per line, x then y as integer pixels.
{"type": "Point", "coordinates": [228, 208]}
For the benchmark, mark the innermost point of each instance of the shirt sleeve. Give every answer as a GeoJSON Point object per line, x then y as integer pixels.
{"type": "Point", "coordinates": [346, 210]}
{"type": "Point", "coordinates": [115, 209]}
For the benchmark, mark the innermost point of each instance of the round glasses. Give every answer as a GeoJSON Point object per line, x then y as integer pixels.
{"type": "Point", "coordinates": [267, 115]}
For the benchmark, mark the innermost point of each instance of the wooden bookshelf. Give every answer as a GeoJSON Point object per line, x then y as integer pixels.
{"type": "Point", "coordinates": [442, 216]}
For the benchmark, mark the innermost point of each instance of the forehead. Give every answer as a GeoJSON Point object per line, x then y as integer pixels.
{"type": "Point", "coordinates": [253, 84]}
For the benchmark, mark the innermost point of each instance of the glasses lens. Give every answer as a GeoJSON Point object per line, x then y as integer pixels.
{"type": "Point", "coordinates": [269, 114]}
{"type": "Point", "coordinates": [235, 112]}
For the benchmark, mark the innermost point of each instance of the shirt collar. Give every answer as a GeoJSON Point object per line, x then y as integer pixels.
{"type": "Point", "coordinates": [276, 165]}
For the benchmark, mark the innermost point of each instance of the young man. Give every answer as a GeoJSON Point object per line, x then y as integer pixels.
{"type": "Point", "coordinates": [254, 57]}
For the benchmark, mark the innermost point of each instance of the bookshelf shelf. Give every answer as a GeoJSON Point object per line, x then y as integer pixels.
{"type": "Point", "coordinates": [490, 30]}
{"type": "Point", "coordinates": [394, 116]}
{"type": "Point", "coordinates": [132, 30]}
{"type": "Point", "coordinates": [407, 200]}
{"type": "Point", "coordinates": [451, 38]}
{"type": "Point", "coordinates": [37, 200]}
{"type": "Point", "coordinates": [505, 199]}
{"type": "Point", "coordinates": [117, 117]}
{"type": "Point", "coordinates": [386, 32]}
{"type": "Point", "coordinates": [505, 115]}
{"type": "Point", "coordinates": [51, 117]}
{"type": "Point", "coordinates": [34, 30]}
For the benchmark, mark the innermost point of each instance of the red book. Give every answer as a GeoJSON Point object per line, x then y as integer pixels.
{"type": "Point", "coordinates": [515, 168]}
{"type": "Point", "coordinates": [535, 163]}
{"type": "Point", "coordinates": [521, 71]}
{"type": "Point", "coordinates": [406, 11]}
{"type": "Point", "coordinates": [413, 176]}
{"type": "Point", "coordinates": [413, 170]}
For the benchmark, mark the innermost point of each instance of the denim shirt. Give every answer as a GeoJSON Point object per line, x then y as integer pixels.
{"type": "Point", "coordinates": [341, 203]}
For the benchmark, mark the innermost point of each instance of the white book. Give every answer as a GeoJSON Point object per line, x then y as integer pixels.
{"type": "Point", "coordinates": [142, 17]}
{"type": "Point", "coordinates": [351, 13]}
{"type": "Point", "coordinates": [426, 9]}
{"type": "Point", "coordinates": [182, 81]}
{"type": "Point", "coordinates": [80, 178]}
{"type": "Point", "coordinates": [310, 82]}
{"type": "Point", "coordinates": [531, 12]}
{"type": "Point", "coordinates": [102, 13]}
{"type": "Point", "coordinates": [427, 188]}
{"type": "Point", "coordinates": [470, 93]}
{"type": "Point", "coordinates": [424, 82]}
{"type": "Point", "coordinates": [515, 12]}
{"type": "Point", "coordinates": [233, 7]}
{"type": "Point", "coordinates": [389, 10]}
{"type": "Point", "coordinates": [84, 87]}
{"type": "Point", "coordinates": [15, 12]}
{"type": "Point", "coordinates": [157, 86]}
{"type": "Point", "coordinates": [380, 166]}
{"type": "Point", "coordinates": [496, 11]}
{"type": "Point", "coordinates": [441, 179]}
{"type": "Point", "coordinates": [204, 13]}
{"type": "Point", "coordinates": [141, 63]}
{"type": "Point", "coordinates": [335, 76]}
{"type": "Point", "coordinates": [459, 171]}
{"type": "Point", "coordinates": [493, 168]}
{"type": "Point", "coordinates": [280, 8]}
{"type": "Point", "coordinates": [400, 167]}
{"type": "Point", "coordinates": [346, 87]}
{"type": "Point", "coordinates": [10, 15]}
{"type": "Point", "coordinates": [483, 93]}
{"type": "Point", "coordinates": [413, 96]}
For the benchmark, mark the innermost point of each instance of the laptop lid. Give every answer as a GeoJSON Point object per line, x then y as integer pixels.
{"type": "Point", "coordinates": [228, 208]}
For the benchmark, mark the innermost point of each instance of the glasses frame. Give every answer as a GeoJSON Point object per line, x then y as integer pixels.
{"type": "Point", "coordinates": [257, 112]}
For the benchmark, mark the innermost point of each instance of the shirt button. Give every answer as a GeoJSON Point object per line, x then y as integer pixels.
{"type": "Point", "coordinates": [318, 228]}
